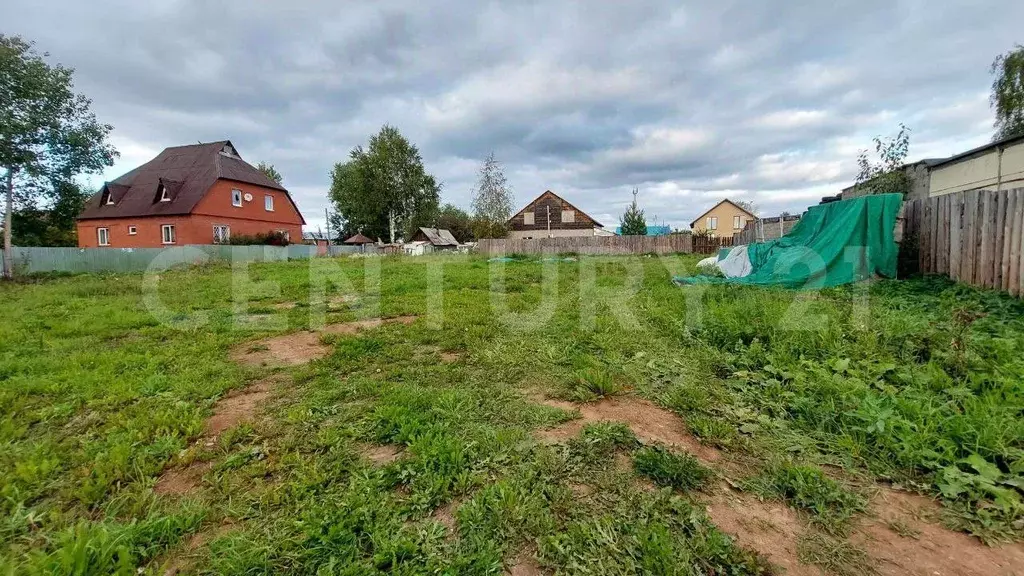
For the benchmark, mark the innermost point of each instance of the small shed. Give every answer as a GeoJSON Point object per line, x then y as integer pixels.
{"type": "Point", "coordinates": [318, 239]}
{"type": "Point", "coordinates": [438, 238]}
{"type": "Point", "coordinates": [359, 240]}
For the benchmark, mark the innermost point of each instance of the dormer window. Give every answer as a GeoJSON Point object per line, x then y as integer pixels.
{"type": "Point", "coordinates": [165, 196]}
{"type": "Point", "coordinates": [229, 150]}
{"type": "Point", "coordinates": [110, 199]}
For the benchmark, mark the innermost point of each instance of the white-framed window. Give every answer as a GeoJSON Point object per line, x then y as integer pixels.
{"type": "Point", "coordinates": [236, 197]}
{"type": "Point", "coordinates": [737, 222]}
{"type": "Point", "coordinates": [110, 199]}
{"type": "Point", "coordinates": [528, 218]}
{"type": "Point", "coordinates": [164, 196]}
{"type": "Point", "coordinates": [712, 223]}
{"type": "Point", "coordinates": [167, 233]}
{"type": "Point", "coordinates": [221, 234]}
{"type": "Point", "coordinates": [568, 216]}
{"type": "Point", "coordinates": [103, 236]}
{"type": "Point", "coordinates": [268, 203]}
{"type": "Point", "coordinates": [132, 230]}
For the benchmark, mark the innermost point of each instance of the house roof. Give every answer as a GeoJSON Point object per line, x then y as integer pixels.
{"type": "Point", "coordinates": [979, 150]}
{"type": "Point", "coordinates": [737, 206]}
{"type": "Point", "coordinates": [549, 192]}
{"type": "Point", "coordinates": [439, 237]}
{"type": "Point", "coordinates": [359, 239]}
{"type": "Point", "coordinates": [185, 172]}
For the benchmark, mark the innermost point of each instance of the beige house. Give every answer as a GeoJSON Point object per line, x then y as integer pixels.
{"type": "Point", "coordinates": [995, 166]}
{"type": "Point", "coordinates": [723, 219]}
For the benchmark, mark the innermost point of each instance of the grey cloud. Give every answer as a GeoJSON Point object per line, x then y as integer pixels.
{"type": "Point", "coordinates": [688, 101]}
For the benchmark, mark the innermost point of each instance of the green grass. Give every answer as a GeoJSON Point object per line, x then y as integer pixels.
{"type": "Point", "coordinates": [100, 392]}
{"type": "Point", "coordinates": [680, 471]}
{"type": "Point", "coordinates": [807, 488]}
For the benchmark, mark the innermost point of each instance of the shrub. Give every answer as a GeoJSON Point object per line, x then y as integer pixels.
{"type": "Point", "coordinates": [262, 238]}
{"type": "Point", "coordinates": [594, 383]}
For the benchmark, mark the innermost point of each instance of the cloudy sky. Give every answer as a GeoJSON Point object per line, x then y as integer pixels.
{"type": "Point", "coordinates": [690, 102]}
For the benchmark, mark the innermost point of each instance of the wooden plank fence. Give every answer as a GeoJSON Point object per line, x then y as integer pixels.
{"type": "Point", "coordinates": [667, 244]}
{"type": "Point", "coordinates": [973, 237]}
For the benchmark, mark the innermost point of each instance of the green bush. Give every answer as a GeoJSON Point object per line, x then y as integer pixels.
{"type": "Point", "coordinates": [260, 239]}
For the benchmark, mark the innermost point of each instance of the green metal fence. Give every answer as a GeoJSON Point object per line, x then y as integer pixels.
{"type": "Point", "coordinates": [32, 260]}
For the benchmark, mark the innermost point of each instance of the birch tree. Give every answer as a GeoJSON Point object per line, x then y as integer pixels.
{"type": "Point", "coordinates": [492, 200]}
{"type": "Point", "coordinates": [48, 133]}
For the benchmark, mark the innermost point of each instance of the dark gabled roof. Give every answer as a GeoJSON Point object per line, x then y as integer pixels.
{"type": "Point", "coordinates": [695, 220]}
{"type": "Point", "coordinates": [978, 150]}
{"type": "Point", "coordinates": [359, 239]}
{"type": "Point", "coordinates": [187, 172]}
{"type": "Point", "coordinates": [549, 192]}
{"type": "Point", "coordinates": [439, 237]}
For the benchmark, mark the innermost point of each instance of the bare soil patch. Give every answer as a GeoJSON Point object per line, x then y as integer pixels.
{"type": "Point", "coordinates": [341, 301]}
{"type": "Point", "coordinates": [302, 347]}
{"type": "Point", "coordinates": [284, 306]}
{"type": "Point", "coordinates": [357, 326]}
{"type": "Point", "coordinates": [650, 422]}
{"type": "Point", "coordinates": [935, 551]}
{"type": "Point", "coordinates": [181, 559]}
{"type": "Point", "coordinates": [230, 411]}
{"type": "Point", "coordinates": [285, 350]}
{"type": "Point", "coordinates": [236, 408]}
{"type": "Point", "coordinates": [449, 357]}
{"type": "Point", "coordinates": [182, 481]}
{"type": "Point", "coordinates": [771, 528]}
{"type": "Point", "coordinates": [382, 454]}
{"type": "Point", "coordinates": [445, 515]}
{"type": "Point", "coordinates": [525, 565]}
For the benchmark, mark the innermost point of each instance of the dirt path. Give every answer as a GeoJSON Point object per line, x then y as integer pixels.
{"type": "Point", "coordinates": [305, 346]}
{"type": "Point", "coordinates": [237, 407]}
{"type": "Point", "coordinates": [773, 529]}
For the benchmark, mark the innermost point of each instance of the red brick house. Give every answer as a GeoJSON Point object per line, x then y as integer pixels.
{"type": "Point", "coordinates": [195, 194]}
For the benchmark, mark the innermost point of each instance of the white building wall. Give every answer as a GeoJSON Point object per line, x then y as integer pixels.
{"type": "Point", "coordinates": [1000, 169]}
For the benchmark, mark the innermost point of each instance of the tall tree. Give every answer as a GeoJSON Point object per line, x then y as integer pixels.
{"type": "Point", "coordinates": [54, 224]}
{"type": "Point", "coordinates": [633, 222]}
{"type": "Point", "coordinates": [48, 133]}
{"type": "Point", "coordinates": [384, 190]}
{"type": "Point", "coordinates": [270, 171]}
{"type": "Point", "coordinates": [748, 205]}
{"type": "Point", "coordinates": [885, 175]}
{"type": "Point", "coordinates": [492, 200]}
{"type": "Point", "coordinates": [456, 221]}
{"type": "Point", "coordinates": [1008, 93]}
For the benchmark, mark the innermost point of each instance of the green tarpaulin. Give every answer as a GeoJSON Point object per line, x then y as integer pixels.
{"type": "Point", "coordinates": [832, 244]}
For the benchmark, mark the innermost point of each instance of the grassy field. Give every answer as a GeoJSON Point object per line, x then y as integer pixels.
{"type": "Point", "coordinates": [418, 447]}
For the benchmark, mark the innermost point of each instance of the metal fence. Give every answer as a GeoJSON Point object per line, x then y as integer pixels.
{"type": "Point", "coordinates": [33, 260]}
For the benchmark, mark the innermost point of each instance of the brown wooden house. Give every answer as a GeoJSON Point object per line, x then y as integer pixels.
{"type": "Point", "coordinates": [551, 216]}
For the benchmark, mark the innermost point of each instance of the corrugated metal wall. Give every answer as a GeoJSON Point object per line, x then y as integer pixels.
{"type": "Point", "coordinates": [31, 260]}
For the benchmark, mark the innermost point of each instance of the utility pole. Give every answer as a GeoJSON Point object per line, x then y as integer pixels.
{"type": "Point", "coordinates": [549, 220]}
{"type": "Point", "coordinates": [327, 219]}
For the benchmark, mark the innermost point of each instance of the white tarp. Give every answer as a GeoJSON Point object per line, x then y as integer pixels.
{"type": "Point", "coordinates": [736, 263]}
